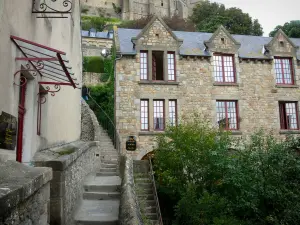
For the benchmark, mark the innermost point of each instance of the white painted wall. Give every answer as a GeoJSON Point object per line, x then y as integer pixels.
{"type": "Point", "coordinates": [61, 114]}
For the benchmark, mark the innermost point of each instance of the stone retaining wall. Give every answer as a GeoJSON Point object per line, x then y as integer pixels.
{"type": "Point", "coordinates": [129, 209]}
{"type": "Point", "coordinates": [70, 165]}
{"type": "Point", "coordinates": [24, 194]}
{"type": "Point", "coordinates": [90, 128]}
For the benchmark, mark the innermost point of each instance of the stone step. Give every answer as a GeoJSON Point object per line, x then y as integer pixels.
{"type": "Point", "coordinates": [144, 185]}
{"type": "Point", "coordinates": [101, 195]}
{"type": "Point", "coordinates": [149, 203]}
{"type": "Point", "coordinates": [108, 169]}
{"type": "Point", "coordinates": [146, 197]}
{"type": "Point", "coordinates": [92, 212]}
{"type": "Point", "coordinates": [112, 153]}
{"type": "Point", "coordinates": [151, 216]}
{"type": "Point", "coordinates": [150, 209]}
{"type": "Point", "coordinates": [145, 191]}
{"type": "Point", "coordinates": [102, 184]}
{"type": "Point", "coordinates": [142, 180]}
{"type": "Point", "coordinates": [110, 162]}
{"type": "Point", "coordinates": [106, 174]}
{"type": "Point", "coordinates": [104, 165]}
{"type": "Point", "coordinates": [154, 222]}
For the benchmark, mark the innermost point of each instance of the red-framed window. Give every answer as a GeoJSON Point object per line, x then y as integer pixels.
{"type": "Point", "coordinates": [144, 114]}
{"type": "Point", "coordinates": [224, 68]}
{"type": "Point", "coordinates": [227, 115]}
{"type": "Point", "coordinates": [171, 66]}
{"type": "Point", "coordinates": [159, 114]}
{"type": "Point", "coordinates": [284, 71]}
{"type": "Point", "coordinates": [144, 65]}
{"type": "Point", "coordinates": [288, 112]}
{"type": "Point", "coordinates": [173, 112]}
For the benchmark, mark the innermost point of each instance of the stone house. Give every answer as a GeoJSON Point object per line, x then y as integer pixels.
{"type": "Point", "coordinates": [240, 83]}
{"type": "Point", "coordinates": [40, 81]}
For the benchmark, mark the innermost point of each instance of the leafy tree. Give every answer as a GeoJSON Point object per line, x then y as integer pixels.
{"type": "Point", "coordinates": [291, 29]}
{"type": "Point", "coordinates": [175, 23]}
{"type": "Point", "coordinates": [214, 179]}
{"type": "Point", "coordinates": [208, 16]}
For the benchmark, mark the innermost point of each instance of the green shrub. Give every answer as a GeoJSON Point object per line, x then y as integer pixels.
{"type": "Point", "coordinates": [256, 183]}
{"type": "Point", "coordinates": [94, 64]}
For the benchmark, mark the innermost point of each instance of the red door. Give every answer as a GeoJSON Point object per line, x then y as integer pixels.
{"type": "Point", "coordinates": [22, 111]}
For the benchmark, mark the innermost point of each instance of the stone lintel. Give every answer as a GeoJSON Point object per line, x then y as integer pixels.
{"type": "Point", "coordinates": [150, 133]}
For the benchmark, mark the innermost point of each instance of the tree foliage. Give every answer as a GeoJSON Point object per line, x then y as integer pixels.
{"type": "Point", "coordinates": [291, 29]}
{"type": "Point", "coordinates": [257, 182]}
{"type": "Point", "coordinates": [208, 16]}
{"type": "Point", "coordinates": [175, 23]}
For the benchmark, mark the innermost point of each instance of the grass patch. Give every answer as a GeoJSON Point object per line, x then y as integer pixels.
{"type": "Point", "coordinates": [67, 151]}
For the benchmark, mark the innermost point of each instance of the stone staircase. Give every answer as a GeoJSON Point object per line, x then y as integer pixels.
{"type": "Point", "coordinates": [145, 192]}
{"type": "Point", "coordinates": [101, 196]}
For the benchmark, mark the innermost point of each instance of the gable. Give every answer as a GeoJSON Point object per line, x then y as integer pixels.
{"type": "Point", "coordinates": [222, 41]}
{"type": "Point", "coordinates": [281, 45]}
{"type": "Point", "coordinates": [157, 34]}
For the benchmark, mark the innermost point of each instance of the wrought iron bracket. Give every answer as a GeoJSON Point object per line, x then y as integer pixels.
{"type": "Point", "coordinates": [34, 68]}
{"type": "Point", "coordinates": [57, 8]}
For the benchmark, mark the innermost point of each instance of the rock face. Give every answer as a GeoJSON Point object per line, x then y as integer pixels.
{"type": "Point", "coordinates": [24, 194]}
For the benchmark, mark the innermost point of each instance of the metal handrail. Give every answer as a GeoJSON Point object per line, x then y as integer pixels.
{"type": "Point", "coordinates": [155, 193]}
{"type": "Point", "coordinates": [109, 126]}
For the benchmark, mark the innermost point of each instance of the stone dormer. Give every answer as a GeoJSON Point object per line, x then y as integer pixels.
{"type": "Point", "coordinates": [222, 41]}
{"type": "Point", "coordinates": [156, 35]}
{"type": "Point", "coordinates": [281, 45]}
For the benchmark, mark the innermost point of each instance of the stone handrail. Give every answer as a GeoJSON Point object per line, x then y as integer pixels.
{"type": "Point", "coordinates": [129, 208]}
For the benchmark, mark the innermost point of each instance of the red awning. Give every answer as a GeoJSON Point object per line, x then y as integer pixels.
{"type": "Point", "coordinates": [47, 62]}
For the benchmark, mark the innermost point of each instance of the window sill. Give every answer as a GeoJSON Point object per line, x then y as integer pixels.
{"type": "Point", "coordinates": [160, 82]}
{"type": "Point", "coordinates": [225, 84]}
{"type": "Point", "coordinates": [286, 86]}
{"type": "Point", "coordinates": [235, 132]}
{"type": "Point", "coordinates": [150, 133]}
{"type": "Point", "coordinates": [289, 132]}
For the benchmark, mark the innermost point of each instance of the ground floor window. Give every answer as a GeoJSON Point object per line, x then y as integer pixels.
{"type": "Point", "coordinates": [144, 115]}
{"type": "Point", "coordinates": [173, 112]}
{"type": "Point", "coordinates": [159, 114]}
{"type": "Point", "coordinates": [288, 115]}
{"type": "Point", "coordinates": [227, 115]}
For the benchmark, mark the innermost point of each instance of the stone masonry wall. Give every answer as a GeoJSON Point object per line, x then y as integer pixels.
{"type": "Point", "coordinates": [24, 194]}
{"type": "Point", "coordinates": [70, 165]}
{"type": "Point", "coordinates": [195, 91]}
{"type": "Point", "coordinates": [93, 46]}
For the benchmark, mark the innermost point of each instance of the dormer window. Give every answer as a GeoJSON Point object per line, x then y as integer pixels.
{"type": "Point", "coordinates": [223, 40]}
{"type": "Point", "coordinates": [281, 43]}
{"type": "Point", "coordinates": [224, 69]}
{"type": "Point", "coordinates": [284, 71]}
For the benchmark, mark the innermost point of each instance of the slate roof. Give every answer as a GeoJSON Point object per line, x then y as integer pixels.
{"type": "Point", "coordinates": [86, 33]}
{"type": "Point", "coordinates": [193, 43]}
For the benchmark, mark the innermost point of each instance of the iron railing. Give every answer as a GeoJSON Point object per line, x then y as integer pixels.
{"type": "Point", "coordinates": [108, 125]}
{"type": "Point", "coordinates": [159, 217]}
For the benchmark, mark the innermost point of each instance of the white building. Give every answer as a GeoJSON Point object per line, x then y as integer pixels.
{"type": "Point", "coordinates": [40, 80]}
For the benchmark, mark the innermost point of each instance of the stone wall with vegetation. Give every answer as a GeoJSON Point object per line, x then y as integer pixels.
{"type": "Point", "coordinates": [93, 46]}
{"type": "Point", "coordinates": [70, 165]}
{"type": "Point", "coordinates": [195, 91]}
{"type": "Point", "coordinates": [24, 194]}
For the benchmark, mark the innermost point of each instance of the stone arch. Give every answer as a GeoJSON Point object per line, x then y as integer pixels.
{"type": "Point", "coordinates": [143, 153]}
{"type": "Point", "coordinates": [149, 154]}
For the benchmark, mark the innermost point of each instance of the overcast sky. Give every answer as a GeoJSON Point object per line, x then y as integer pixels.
{"type": "Point", "coordinates": [269, 13]}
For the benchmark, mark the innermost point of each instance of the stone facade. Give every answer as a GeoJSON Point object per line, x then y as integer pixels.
{"type": "Point", "coordinates": [195, 88]}
{"type": "Point", "coordinates": [134, 9]}
{"type": "Point", "coordinates": [93, 46]}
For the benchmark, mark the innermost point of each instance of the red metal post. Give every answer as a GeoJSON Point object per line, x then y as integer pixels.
{"type": "Point", "coordinates": [21, 122]}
